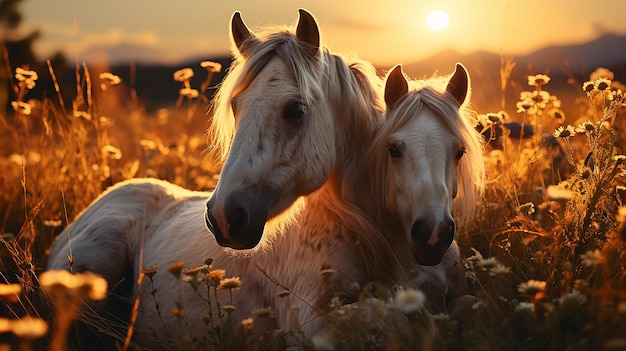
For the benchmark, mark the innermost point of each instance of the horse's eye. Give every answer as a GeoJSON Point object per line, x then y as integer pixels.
{"type": "Point", "coordinates": [460, 153]}
{"type": "Point", "coordinates": [294, 111]}
{"type": "Point", "coordinates": [394, 151]}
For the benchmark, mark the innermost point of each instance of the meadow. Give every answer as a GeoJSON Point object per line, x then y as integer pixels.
{"type": "Point", "coordinates": [545, 254]}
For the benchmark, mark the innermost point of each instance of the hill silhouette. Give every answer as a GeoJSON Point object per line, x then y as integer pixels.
{"type": "Point", "coordinates": [568, 66]}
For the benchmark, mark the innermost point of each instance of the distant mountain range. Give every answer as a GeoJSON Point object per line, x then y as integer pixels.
{"type": "Point", "coordinates": [568, 66]}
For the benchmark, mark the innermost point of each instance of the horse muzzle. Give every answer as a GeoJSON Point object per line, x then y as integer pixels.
{"type": "Point", "coordinates": [431, 240]}
{"type": "Point", "coordinates": [243, 221]}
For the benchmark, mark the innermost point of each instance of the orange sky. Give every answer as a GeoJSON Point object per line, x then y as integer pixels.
{"type": "Point", "coordinates": [384, 32]}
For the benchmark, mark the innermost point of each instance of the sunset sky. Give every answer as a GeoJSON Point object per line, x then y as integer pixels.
{"type": "Point", "coordinates": [384, 32]}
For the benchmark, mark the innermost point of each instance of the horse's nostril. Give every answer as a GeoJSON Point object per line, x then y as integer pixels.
{"type": "Point", "coordinates": [238, 219]}
{"type": "Point", "coordinates": [419, 233]}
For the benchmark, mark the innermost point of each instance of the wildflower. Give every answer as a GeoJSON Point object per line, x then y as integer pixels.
{"type": "Point", "coordinates": [10, 292]}
{"type": "Point", "coordinates": [112, 152]}
{"type": "Point", "coordinates": [150, 271]}
{"type": "Point", "coordinates": [183, 75]}
{"type": "Point", "coordinates": [499, 269]}
{"type": "Point", "coordinates": [494, 118]}
{"type": "Point", "coordinates": [619, 159]}
{"type": "Point", "coordinates": [524, 105]}
{"type": "Point", "coordinates": [538, 98]}
{"type": "Point", "coordinates": [575, 298]}
{"type": "Point", "coordinates": [527, 208]}
{"type": "Point", "coordinates": [263, 312]}
{"type": "Point", "coordinates": [592, 258]}
{"type": "Point", "coordinates": [52, 223]}
{"type": "Point", "coordinates": [189, 93]}
{"type": "Point", "coordinates": [29, 327]}
{"type": "Point", "coordinates": [525, 307]}
{"type": "Point", "coordinates": [602, 84]}
{"type": "Point", "coordinates": [109, 79]}
{"type": "Point", "coordinates": [229, 283]}
{"type": "Point", "coordinates": [21, 107]}
{"type": "Point", "coordinates": [323, 341]}
{"type": "Point", "coordinates": [557, 114]}
{"type": "Point", "coordinates": [586, 127]}
{"type": "Point", "coordinates": [217, 275]}
{"type": "Point", "coordinates": [538, 80]}
{"type": "Point", "coordinates": [565, 132]}
{"type": "Point", "coordinates": [195, 270]}
{"type": "Point", "coordinates": [487, 263]}
{"type": "Point", "coordinates": [248, 324]}
{"type": "Point", "coordinates": [588, 87]}
{"type": "Point", "coordinates": [62, 283]}
{"type": "Point", "coordinates": [621, 215]}
{"type": "Point", "coordinates": [229, 308]}
{"type": "Point", "coordinates": [26, 77]}
{"type": "Point", "coordinates": [532, 287]}
{"type": "Point", "coordinates": [210, 66]}
{"type": "Point", "coordinates": [5, 325]}
{"type": "Point", "coordinates": [176, 268]}
{"type": "Point", "coordinates": [410, 300]}
{"type": "Point", "coordinates": [554, 193]}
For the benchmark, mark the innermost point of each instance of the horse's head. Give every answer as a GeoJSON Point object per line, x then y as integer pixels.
{"type": "Point", "coordinates": [273, 127]}
{"type": "Point", "coordinates": [426, 149]}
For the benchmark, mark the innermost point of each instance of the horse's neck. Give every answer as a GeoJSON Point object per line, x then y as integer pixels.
{"type": "Point", "coordinates": [334, 217]}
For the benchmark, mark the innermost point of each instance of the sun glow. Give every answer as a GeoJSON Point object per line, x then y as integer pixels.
{"type": "Point", "coordinates": [437, 20]}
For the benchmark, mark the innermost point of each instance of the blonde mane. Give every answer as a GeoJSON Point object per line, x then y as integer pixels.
{"type": "Point", "coordinates": [431, 94]}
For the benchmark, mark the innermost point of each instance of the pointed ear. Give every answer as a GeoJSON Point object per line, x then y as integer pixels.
{"type": "Point", "coordinates": [240, 32]}
{"type": "Point", "coordinates": [308, 31]}
{"type": "Point", "coordinates": [396, 86]}
{"type": "Point", "coordinates": [459, 84]}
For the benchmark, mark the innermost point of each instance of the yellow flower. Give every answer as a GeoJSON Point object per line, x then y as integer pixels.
{"type": "Point", "coordinates": [210, 66]}
{"type": "Point", "coordinates": [532, 287]}
{"type": "Point", "coordinates": [183, 74]}
{"type": "Point", "coordinates": [10, 292]}
{"type": "Point", "coordinates": [602, 84]}
{"type": "Point", "coordinates": [62, 283]}
{"type": "Point", "coordinates": [217, 275]}
{"type": "Point", "coordinates": [263, 312]}
{"type": "Point", "coordinates": [538, 80]}
{"type": "Point", "coordinates": [21, 107]}
{"type": "Point", "coordinates": [189, 93]}
{"type": "Point", "coordinates": [176, 268]}
{"type": "Point", "coordinates": [592, 258]}
{"type": "Point", "coordinates": [565, 132]}
{"type": "Point", "coordinates": [29, 327]}
{"type": "Point", "coordinates": [588, 87]}
{"type": "Point", "coordinates": [110, 78]}
{"type": "Point", "coordinates": [586, 127]}
{"type": "Point", "coordinates": [248, 324]}
{"type": "Point", "coordinates": [554, 193]}
{"type": "Point", "coordinates": [410, 300]}
{"type": "Point", "coordinates": [230, 283]}
{"type": "Point", "coordinates": [112, 152]}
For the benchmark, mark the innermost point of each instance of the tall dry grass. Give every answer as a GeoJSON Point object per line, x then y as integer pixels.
{"type": "Point", "coordinates": [545, 254]}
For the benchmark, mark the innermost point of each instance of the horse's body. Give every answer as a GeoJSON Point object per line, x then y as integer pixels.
{"type": "Point", "coordinates": [323, 210]}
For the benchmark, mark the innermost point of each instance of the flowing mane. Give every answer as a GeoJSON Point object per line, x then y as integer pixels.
{"type": "Point", "coordinates": [356, 82]}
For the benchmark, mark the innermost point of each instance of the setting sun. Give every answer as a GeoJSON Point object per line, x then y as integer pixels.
{"type": "Point", "coordinates": [437, 20]}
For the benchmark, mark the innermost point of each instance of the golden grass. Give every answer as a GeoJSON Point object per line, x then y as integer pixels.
{"type": "Point", "coordinates": [546, 253]}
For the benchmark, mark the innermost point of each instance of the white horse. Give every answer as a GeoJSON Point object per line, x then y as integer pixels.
{"type": "Point", "coordinates": [330, 111]}
{"type": "Point", "coordinates": [301, 114]}
{"type": "Point", "coordinates": [429, 158]}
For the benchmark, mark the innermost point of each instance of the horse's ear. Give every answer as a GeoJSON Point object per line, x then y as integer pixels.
{"type": "Point", "coordinates": [396, 86]}
{"type": "Point", "coordinates": [308, 31]}
{"type": "Point", "coordinates": [240, 32]}
{"type": "Point", "coordinates": [459, 84]}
